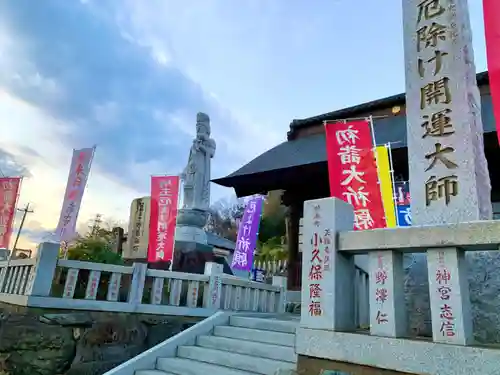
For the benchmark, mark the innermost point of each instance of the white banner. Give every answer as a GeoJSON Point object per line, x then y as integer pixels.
{"type": "Point", "coordinates": [77, 180]}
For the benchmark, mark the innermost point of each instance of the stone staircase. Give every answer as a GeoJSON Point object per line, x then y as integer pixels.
{"type": "Point", "coordinates": [246, 346]}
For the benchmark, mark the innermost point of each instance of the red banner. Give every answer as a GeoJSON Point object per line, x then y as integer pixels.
{"type": "Point", "coordinates": [9, 188]}
{"type": "Point", "coordinates": [164, 200]}
{"type": "Point", "coordinates": [352, 172]}
{"type": "Point", "coordinates": [491, 10]}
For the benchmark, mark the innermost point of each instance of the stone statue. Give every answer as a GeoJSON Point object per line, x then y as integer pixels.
{"type": "Point", "coordinates": [192, 250]}
{"type": "Point", "coordinates": [196, 175]}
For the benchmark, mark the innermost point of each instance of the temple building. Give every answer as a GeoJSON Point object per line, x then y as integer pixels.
{"type": "Point", "coordinates": [299, 165]}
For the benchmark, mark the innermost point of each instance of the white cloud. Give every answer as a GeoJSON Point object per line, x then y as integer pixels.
{"type": "Point", "coordinates": [22, 127]}
{"type": "Point", "coordinates": [219, 44]}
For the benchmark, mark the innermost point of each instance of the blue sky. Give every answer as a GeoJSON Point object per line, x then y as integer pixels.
{"type": "Point", "coordinates": [130, 75]}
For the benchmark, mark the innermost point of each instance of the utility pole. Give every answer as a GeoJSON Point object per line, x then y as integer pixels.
{"type": "Point", "coordinates": [26, 210]}
{"type": "Point", "coordinates": [94, 229]}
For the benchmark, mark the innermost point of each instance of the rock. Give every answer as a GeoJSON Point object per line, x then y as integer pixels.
{"type": "Point", "coordinates": [158, 333]}
{"type": "Point", "coordinates": [116, 341]}
{"type": "Point", "coordinates": [92, 368]}
{"type": "Point", "coordinates": [293, 307]}
{"type": "Point", "coordinates": [40, 342]}
{"type": "Point", "coordinates": [71, 319]}
{"type": "Point", "coordinates": [417, 297]}
{"type": "Point", "coordinates": [285, 372]}
{"type": "Point", "coordinates": [484, 288]}
{"type": "Point", "coordinates": [35, 348]}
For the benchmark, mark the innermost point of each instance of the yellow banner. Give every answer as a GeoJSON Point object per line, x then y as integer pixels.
{"type": "Point", "coordinates": [384, 175]}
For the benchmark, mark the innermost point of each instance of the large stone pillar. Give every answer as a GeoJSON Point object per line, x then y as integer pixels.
{"type": "Point", "coordinates": [448, 173]}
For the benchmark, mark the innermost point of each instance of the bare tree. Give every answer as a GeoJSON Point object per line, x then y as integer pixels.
{"type": "Point", "coordinates": [224, 218]}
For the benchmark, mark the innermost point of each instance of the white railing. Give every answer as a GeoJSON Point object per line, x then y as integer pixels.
{"type": "Point", "coordinates": [272, 267]}
{"type": "Point", "coordinates": [106, 287]}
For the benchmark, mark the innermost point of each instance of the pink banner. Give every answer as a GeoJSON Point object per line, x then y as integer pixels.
{"type": "Point", "coordinates": [77, 180]}
{"type": "Point", "coordinates": [164, 200]}
{"type": "Point", "coordinates": [9, 189]}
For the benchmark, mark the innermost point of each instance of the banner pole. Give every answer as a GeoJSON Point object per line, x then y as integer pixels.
{"type": "Point", "coordinates": [374, 150]}
{"type": "Point", "coordinates": [171, 267]}
{"type": "Point", "coordinates": [391, 165]}
{"type": "Point", "coordinates": [355, 119]}
{"type": "Point", "coordinates": [57, 236]}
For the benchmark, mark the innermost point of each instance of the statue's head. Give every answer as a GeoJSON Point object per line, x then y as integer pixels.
{"type": "Point", "coordinates": [202, 124]}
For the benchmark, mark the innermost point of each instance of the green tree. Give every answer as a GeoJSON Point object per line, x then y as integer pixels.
{"type": "Point", "coordinates": [272, 223]}
{"type": "Point", "coordinates": [95, 245]}
{"type": "Point", "coordinates": [224, 221]}
{"type": "Point", "coordinates": [272, 249]}
{"type": "Point", "coordinates": [272, 229]}
{"type": "Point", "coordinates": [93, 250]}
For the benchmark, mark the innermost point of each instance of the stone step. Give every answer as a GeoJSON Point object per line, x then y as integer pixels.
{"type": "Point", "coordinates": [243, 362]}
{"type": "Point", "coordinates": [268, 337]}
{"type": "Point", "coordinates": [153, 372]}
{"type": "Point", "coordinates": [264, 324]}
{"type": "Point", "coordinates": [252, 348]}
{"type": "Point", "coordinates": [183, 366]}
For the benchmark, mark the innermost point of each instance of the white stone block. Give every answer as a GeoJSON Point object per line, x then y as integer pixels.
{"type": "Point", "coordinates": [327, 276]}
{"type": "Point", "coordinates": [387, 302]}
{"type": "Point", "coordinates": [41, 277]}
{"type": "Point", "coordinates": [449, 296]}
{"type": "Point", "coordinates": [137, 285]}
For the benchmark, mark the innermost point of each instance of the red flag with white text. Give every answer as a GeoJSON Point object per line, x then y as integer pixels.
{"type": "Point", "coordinates": [164, 200]}
{"type": "Point", "coordinates": [491, 12]}
{"type": "Point", "coordinates": [9, 190]}
{"type": "Point", "coordinates": [352, 171]}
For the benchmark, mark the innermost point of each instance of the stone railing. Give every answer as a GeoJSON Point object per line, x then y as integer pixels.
{"type": "Point", "coordinates": [106, 287]}
{"type": "Point", "coordinates": [14, 276]}
{"type": "Point", "coordinates": [328, 327]}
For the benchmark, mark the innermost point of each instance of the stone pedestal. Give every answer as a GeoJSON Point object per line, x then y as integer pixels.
{"type": "Point", "coordinates": [191, 248]}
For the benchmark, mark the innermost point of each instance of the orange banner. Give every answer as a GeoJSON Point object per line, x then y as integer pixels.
{"type": "Point", "coordinates": [163, 211]}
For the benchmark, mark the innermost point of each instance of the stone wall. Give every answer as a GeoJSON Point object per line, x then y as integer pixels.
{"type": "Point", "coordinates": [316, 366]}
{"type": "Point", "coordinates": [47, 342]}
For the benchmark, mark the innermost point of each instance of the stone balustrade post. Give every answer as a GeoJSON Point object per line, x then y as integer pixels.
{"type": "Point", "coordinates": [388, 315]}
{"type": "Point", "coordinates": [42, 275]}
{"type": "Point", "coordinates": [137, 285]}
{"type": "Point", "coordinates": [451, 313]}
{"type": "Point", "coordinates": [213, 292]}
{"type": "Point", "coordinates": [281, 281]}
{"type": "Point", "coordinates": [328, 276]}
